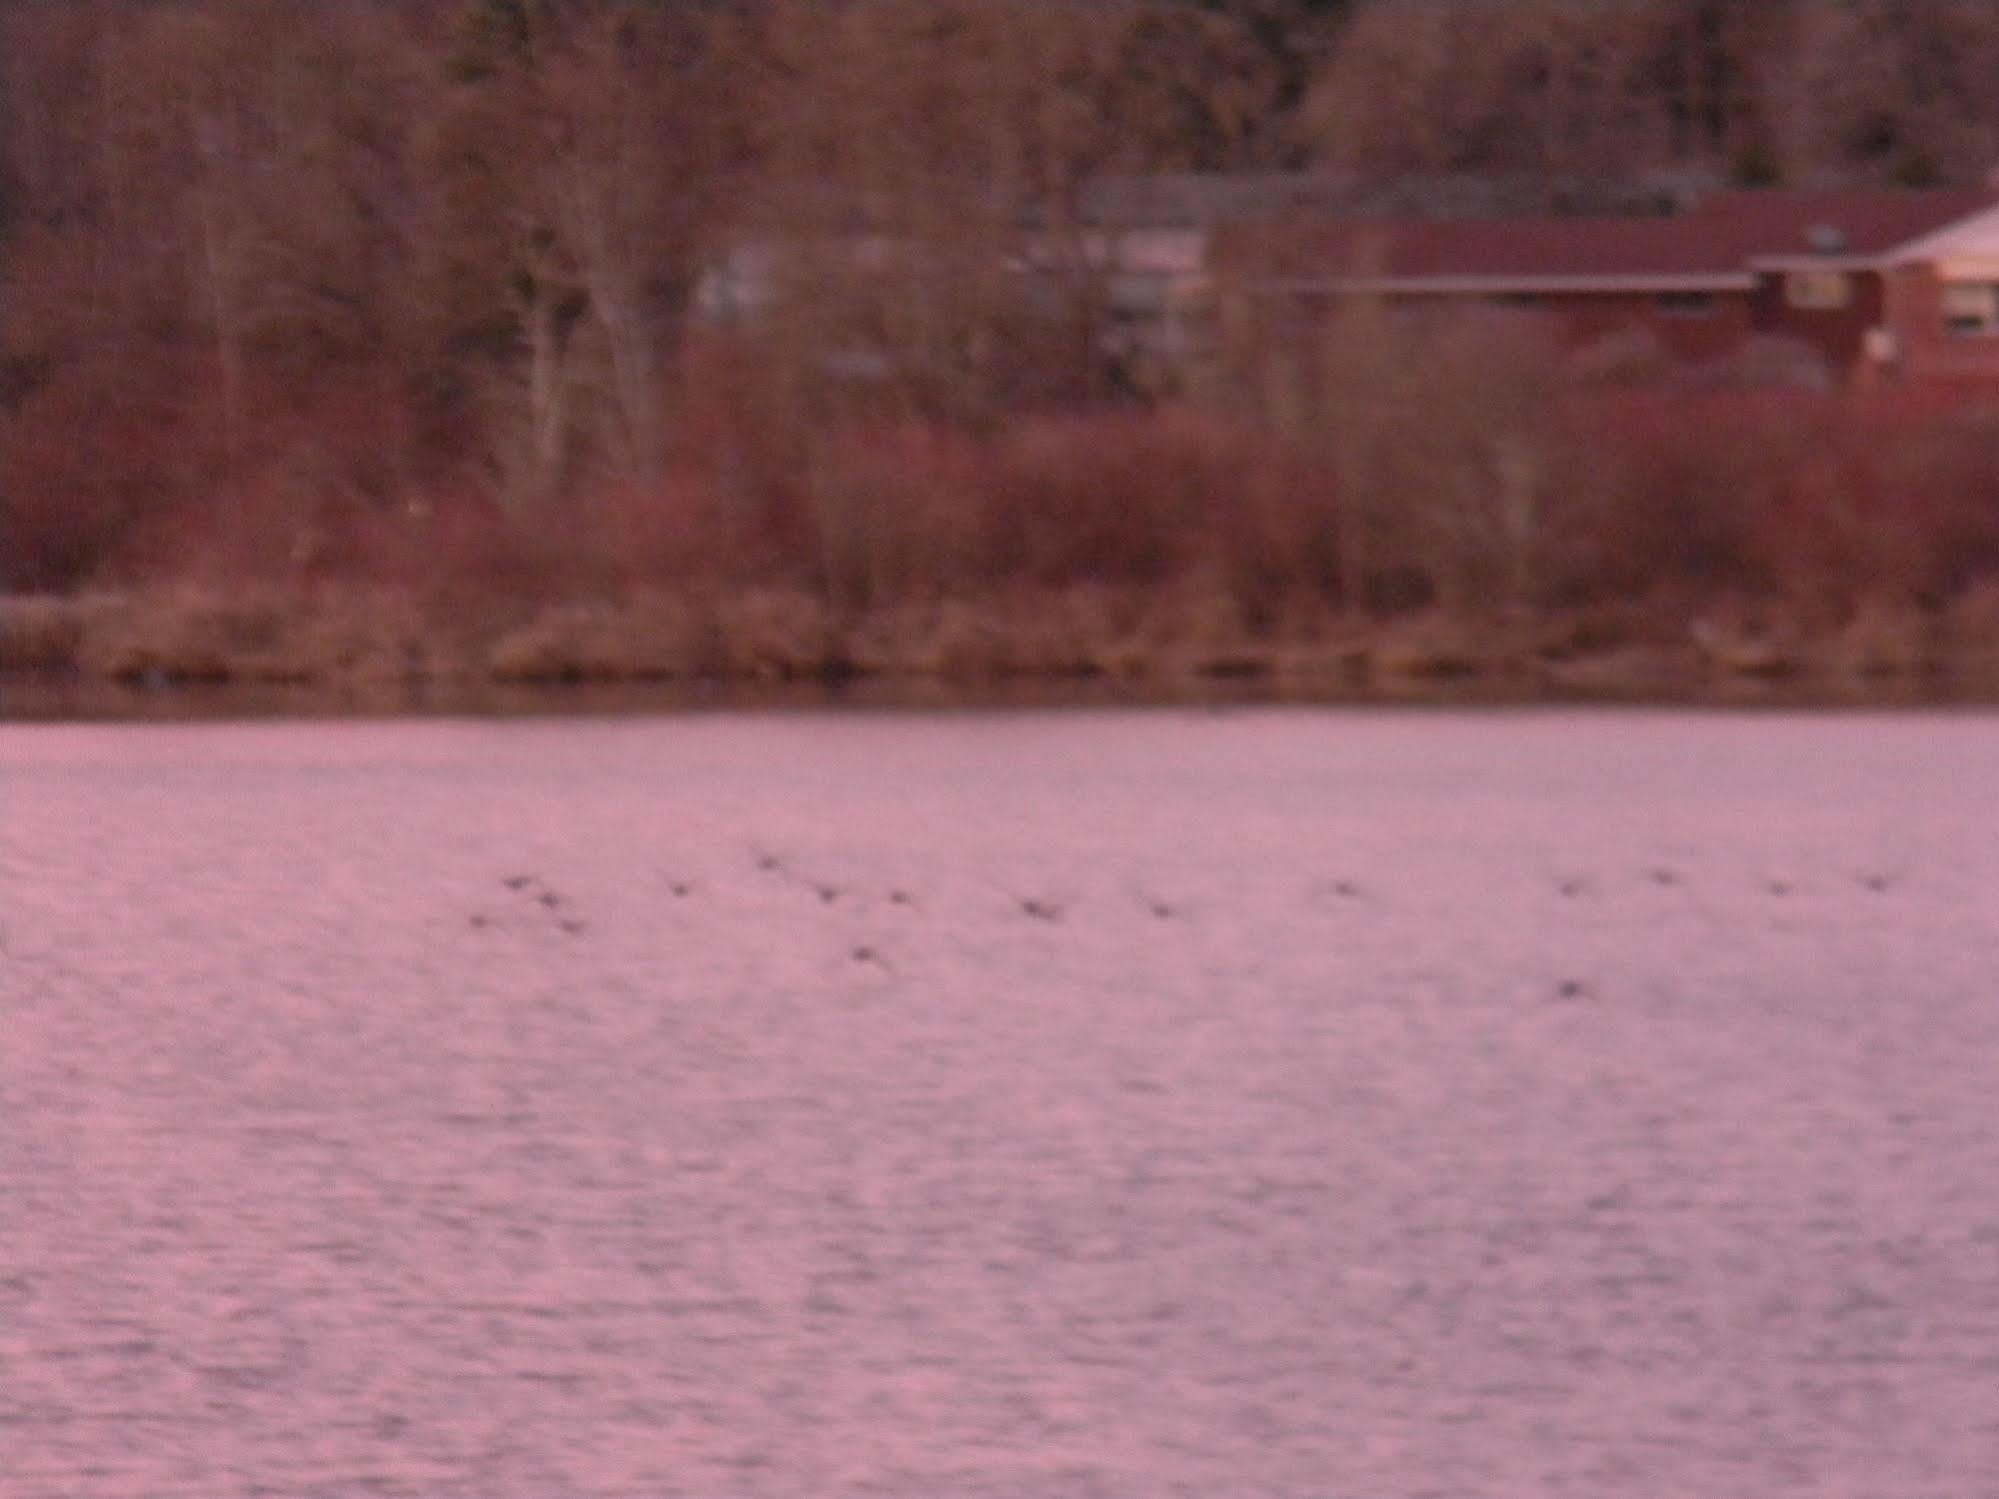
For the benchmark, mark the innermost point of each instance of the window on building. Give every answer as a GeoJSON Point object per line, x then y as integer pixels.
{"type": "Point", "coordinates": [1685, 304]}
{"type": "Point", "coordinates": [1818, 291]}
{"type": "Point", "coordinates": [1971, 309]}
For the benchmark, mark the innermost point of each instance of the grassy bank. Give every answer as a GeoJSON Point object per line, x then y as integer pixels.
{"type": "Point", "coordinates": [1162, 640]}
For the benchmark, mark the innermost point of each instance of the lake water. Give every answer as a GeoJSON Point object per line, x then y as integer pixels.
{"type": "Point", "coordinates": [1297, 1103]}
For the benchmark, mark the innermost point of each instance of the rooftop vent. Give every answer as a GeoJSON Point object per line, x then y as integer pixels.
{"type": "Point", "coordinates": [1826, 239]}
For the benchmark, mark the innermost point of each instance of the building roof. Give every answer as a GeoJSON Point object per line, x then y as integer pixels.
{"type": "Point", "coordinates": [1206, 200]}
{"type": "Point", "coordinates": [1201, 200]}
{"type": "Point", "coordinates": [1862, 225]}
{"type": "Point", "coordinates": [1718, 242]}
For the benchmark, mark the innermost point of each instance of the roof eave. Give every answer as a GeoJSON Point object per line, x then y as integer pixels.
{"type": "Point", "coordinates": [1509, 285]}
{"type": "Point", "coordinates": [1850, 264]}
{"type": "Point", "coordinates": [1938, 241]}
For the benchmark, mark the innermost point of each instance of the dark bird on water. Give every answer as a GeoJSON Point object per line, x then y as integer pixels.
{"type": "Point", "coordinates": [518, 881]}
{"type": "Point", "coordinates": [1572, 989]}
{"type": "Point", "coordinates": [1039, 910]}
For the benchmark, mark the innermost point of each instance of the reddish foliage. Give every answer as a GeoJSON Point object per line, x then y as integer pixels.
{"type": "Point", "coordinates": [88, 462]}
{"type": "Point", "coordinates": [1142, 496]}
{"type": "Point", "coordinates": [1826, 496]}
{"type": "Point", "coordinates": [1832, 498]}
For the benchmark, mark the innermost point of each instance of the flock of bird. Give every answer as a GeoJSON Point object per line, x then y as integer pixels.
{"type": "Point", "coordinates": [531, 888]}
{"type": "Point", "coordinates": [560, 911]}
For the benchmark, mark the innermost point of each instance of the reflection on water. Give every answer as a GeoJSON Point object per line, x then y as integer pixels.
{"type": "Point", "coordinates": [1283, 1103]}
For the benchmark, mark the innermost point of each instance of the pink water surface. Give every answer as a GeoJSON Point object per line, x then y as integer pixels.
{"type": "Point", "coordinates": [1330, 1104]}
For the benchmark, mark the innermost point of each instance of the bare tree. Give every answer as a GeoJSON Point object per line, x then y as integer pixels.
{"type": "Point", "coordinates": [592, 149]}
{"type": "Point", "coordinates": [1563, 88]}
{"type": "Point", "coordinates": [1440, 428]}
{"type": "Point", "coordinates": [928, 162]}
{"type": "Point", "coordinates": [1890, 89]}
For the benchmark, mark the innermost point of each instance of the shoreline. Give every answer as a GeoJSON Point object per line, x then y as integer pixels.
{"type": "Point", "coordinates": [182, 652]}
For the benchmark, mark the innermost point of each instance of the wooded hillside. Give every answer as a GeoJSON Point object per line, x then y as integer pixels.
{"type": "Point", "coordinates": [300, 289]}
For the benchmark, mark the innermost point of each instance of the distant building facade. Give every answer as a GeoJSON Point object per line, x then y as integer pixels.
{"type": "Point", "coordinates": [1877, 285]}
{"type": "Point", "coordinates": [1182, 268]}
